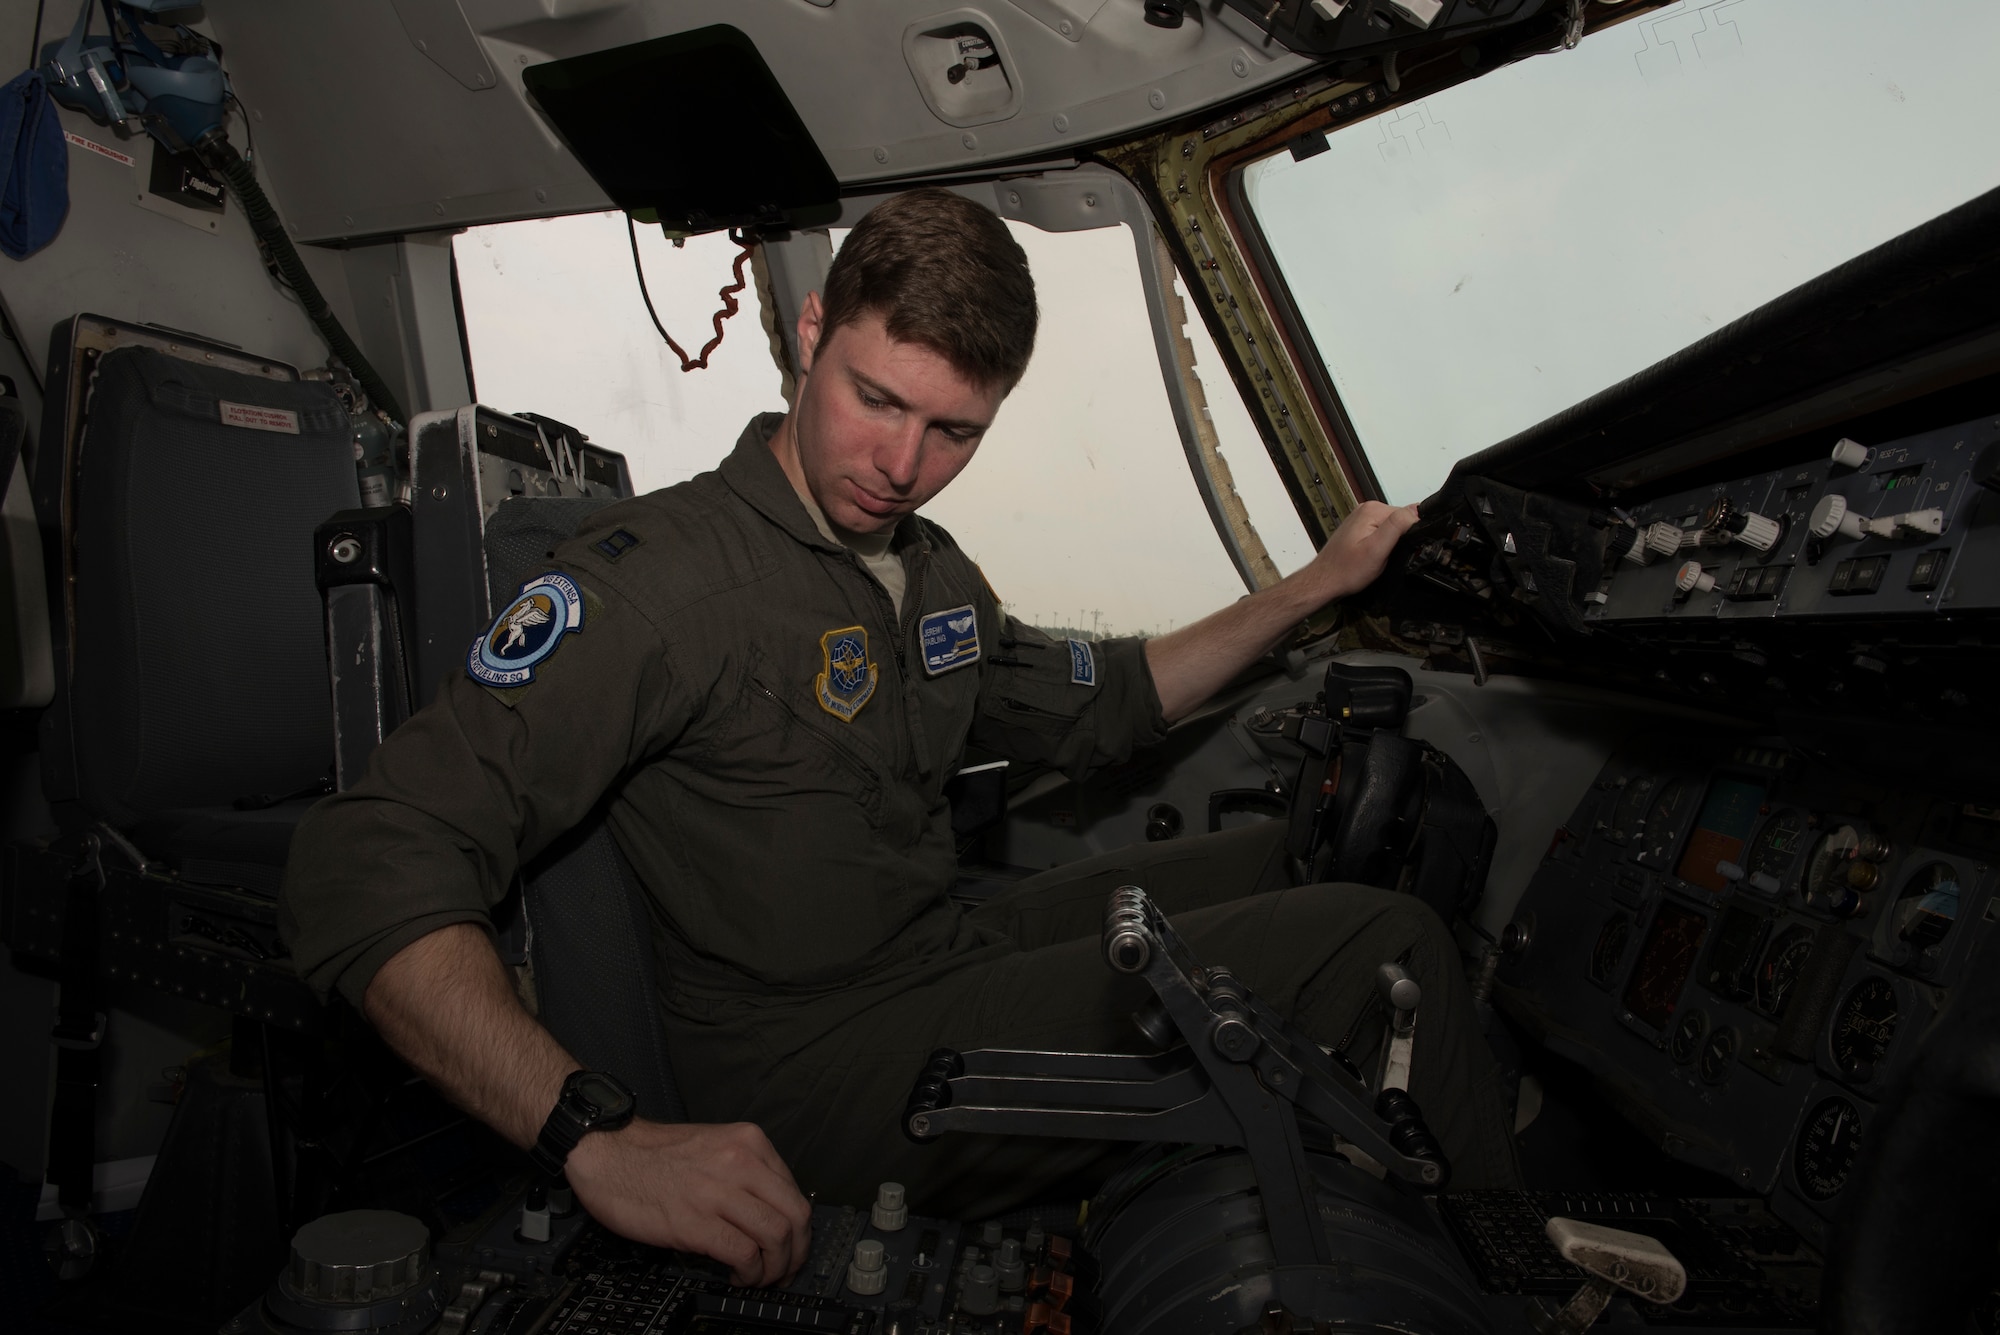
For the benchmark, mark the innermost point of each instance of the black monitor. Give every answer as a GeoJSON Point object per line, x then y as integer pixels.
{"type": "Point", "coordinates": [692, 127]}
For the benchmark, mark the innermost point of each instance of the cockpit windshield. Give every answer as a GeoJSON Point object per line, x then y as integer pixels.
{"type": "Point", "coordinates": [1470, 264]}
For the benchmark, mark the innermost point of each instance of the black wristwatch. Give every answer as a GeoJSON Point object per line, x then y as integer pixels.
{"type": "Point", "coordinates": [590, 1101]}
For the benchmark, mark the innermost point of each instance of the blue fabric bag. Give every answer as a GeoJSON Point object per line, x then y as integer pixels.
{"type": "Point", "coordinates": [34, 167]}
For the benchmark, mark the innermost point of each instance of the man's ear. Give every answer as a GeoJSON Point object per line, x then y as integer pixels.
{"type": "Point", "coordinates": [812, 317]}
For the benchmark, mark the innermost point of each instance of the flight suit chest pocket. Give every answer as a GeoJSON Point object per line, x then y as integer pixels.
{"type": "Point", "coordinates": [777, 753]}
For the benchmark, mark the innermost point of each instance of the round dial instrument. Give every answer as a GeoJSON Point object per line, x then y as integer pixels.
{"type": "Point", "coordinates": [1784, 960]}
{"type": "Point", "coordinates": [1775, 850]}
{"type": "Point", "coordinates": [1864, 1025]}
{"type": "Point", "coordinates": [1609, 952]}
{"type": "Point", "coordinates": [1927, 906]}
{"type": "Point", "coordinates": [1719, 1054]}
{"type": "Point", "coordinates": [1685, 1041]}
{"type": "Point", "coordinates": [1826, 1148]}
{"type": "Point", "coordinates": [1660, 824]}
{"type": "Point", "coordinates": [1826, 886]}
{"type": "Point", "coordinates": [1630, 811]}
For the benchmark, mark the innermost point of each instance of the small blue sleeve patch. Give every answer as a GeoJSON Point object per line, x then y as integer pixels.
{"type": "Point", "coordinates": [949, 639]}
{"type": "Point", "coordinates": [1082, 663]}
{"type": "Point", "coordinates": [527, 632]}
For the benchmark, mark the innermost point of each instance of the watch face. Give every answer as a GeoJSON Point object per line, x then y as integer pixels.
{"type": "Point", "coordinates": [609, 1101]}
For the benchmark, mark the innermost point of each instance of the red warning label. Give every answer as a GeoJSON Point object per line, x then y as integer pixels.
{"type": "Point", "coordinates": [260, 419]}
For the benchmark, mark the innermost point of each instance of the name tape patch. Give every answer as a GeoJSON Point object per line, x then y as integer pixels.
{"type": "Point", "coordinates": [1082, 663]}
{"type": "Point", "coordinates": [528, 632]}
{"type": "Point", "coordinates": [950, 639]}
{"type": "Point", "coordinates": [259, 419]}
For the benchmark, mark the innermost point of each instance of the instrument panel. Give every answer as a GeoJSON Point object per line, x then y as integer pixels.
{"type": "Point", "coordinates": [1744, 945]}
{"type": "Point", "coordinates": [1906, 528]}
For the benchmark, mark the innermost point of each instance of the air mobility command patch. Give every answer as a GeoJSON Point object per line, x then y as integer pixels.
{"type": "Point", "coordinates": [1082, 663]}
{"type": "Point", "coordinates": [528, 632]}
{"type": "Point", "coordinates": [848, 679]}
{"type": "Point", "coordinates": [950, 639]}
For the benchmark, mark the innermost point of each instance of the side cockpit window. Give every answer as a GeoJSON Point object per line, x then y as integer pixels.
{"type": "Point", "coordinates": [555, 324]}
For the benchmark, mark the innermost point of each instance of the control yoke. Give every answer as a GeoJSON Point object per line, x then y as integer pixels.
{"type": "Point", "coordinates": [1231, 1072]}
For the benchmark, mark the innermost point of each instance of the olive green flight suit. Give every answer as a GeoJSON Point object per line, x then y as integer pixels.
{"type": "Point", "coordinates": [776, 740]}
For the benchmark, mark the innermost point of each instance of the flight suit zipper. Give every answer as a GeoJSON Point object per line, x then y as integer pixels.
{"type": "Point", "coordinates": [871, 783]}
{"type": "Point", "coordinates": [913, 599]}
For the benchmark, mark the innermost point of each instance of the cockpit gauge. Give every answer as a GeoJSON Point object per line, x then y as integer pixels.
{"type": "Point", "coordinates": [1628, 814]}
{"type": "Point", "coordinates": [1660, 825]}
{"type": "Point", "coordinates": [1778, 971]}
{"type": "Point", "coordinates": [1840, 868]}
{"type": "Point", "coordinates": [1775, 851]}
{"type": "Point", "coordinates": [1864, 1025]}
{"type": "Point", "coordinates": [1685, 1041]}
{"type": "Point", "coordinates": [1826, 1148]}
{"type": "Point", "coordinates": [1927, 906]}
{"type": "Point", "coordinates": [1609, 952]}
{"type": "Point", "coordinates": [1719, 1054]}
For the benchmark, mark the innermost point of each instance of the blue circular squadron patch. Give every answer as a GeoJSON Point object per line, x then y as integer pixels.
{"type": "Point", "coordinates": [524, 635]}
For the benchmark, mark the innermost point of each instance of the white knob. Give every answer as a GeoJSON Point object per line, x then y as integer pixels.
{"type": "Point", "coordinates": [1919, 523]}
{"type": "Point", "coordinates": [1759, 533]}
{"type": "Point", "coordinates": [1851, 454]}
{"type": "Point", "coordinates": [866, 1274]}
{"type": "Point", "coordinates": [1830, 516]}
{"type": "Point", "coordinates": [1691, 580]}
{"type": "Point", "coordinates": [1729, 871]}
{"type": "Point", "coordinates": [892, 1209]}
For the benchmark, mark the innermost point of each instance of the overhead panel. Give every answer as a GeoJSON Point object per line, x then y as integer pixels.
{"type": "Point", "coordinates": [361, 134]}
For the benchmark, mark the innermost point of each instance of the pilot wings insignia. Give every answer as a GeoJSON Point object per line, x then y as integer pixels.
{"type": "Point", "coordinates": [950, 639]}
{"type": "Point", "coordinates": [527, 631]}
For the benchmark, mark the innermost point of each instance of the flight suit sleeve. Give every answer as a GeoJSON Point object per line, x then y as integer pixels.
{"type": "Point", "coordinates": [1072, 705]}
{"type": "Point", "coordinates": [473, 785]}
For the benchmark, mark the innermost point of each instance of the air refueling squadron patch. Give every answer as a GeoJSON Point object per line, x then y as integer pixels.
{"type": "Point", "coordinates": [950, 639]}
{"type": "Point", "coordinates": [1082, 663]}
{"type": "Point", "coordinates": [531, 629]}
{"type": "Point", "coordinates": [848, 680]}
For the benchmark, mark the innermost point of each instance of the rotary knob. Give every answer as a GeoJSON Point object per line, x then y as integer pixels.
{"type": "Point", "coordinates": [1656, 539]}
{"type": "Point", "coordinates": [1851, 454]}
{"type": "Point", "coordinates": [891, 1210]}
{"type": "Point", "coordinates": [1724, 522]}
{"type": "Point", "coordinates": [1690, 579]}
{"type": "Point", "coordinates": [868, 1273]}
{"type": "Point", "coordinates": [1830, 515]}
{"type": "Point", "coordinates": [358, 1256]}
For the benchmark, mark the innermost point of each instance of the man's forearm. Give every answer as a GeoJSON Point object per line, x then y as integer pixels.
{"type": "Point", "coordinates": [444, 1003]}
{"type": "Point", "coordinates": [1195, 662]}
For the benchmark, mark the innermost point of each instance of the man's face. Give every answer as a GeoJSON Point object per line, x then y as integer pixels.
{"type": "Point", "coordinates": [881, 426]}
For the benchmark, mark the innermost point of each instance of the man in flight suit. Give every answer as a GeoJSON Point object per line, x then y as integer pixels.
{"type": "Point", "coordinates": [772, 670]}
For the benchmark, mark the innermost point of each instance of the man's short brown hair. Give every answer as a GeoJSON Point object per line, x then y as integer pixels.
{"type": "Point", "coordinates": [944, 273]}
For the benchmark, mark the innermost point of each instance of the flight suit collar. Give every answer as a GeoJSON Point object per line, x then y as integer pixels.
{"type": "Point", "coordinates": [753, 473]}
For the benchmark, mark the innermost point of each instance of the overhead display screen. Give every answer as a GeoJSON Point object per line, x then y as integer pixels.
{"type": "Point", "coordinates": [1728, 814]}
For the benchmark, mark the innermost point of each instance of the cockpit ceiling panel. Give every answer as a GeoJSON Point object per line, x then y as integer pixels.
{"type": "Point", "coordinates": [363, 134]}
